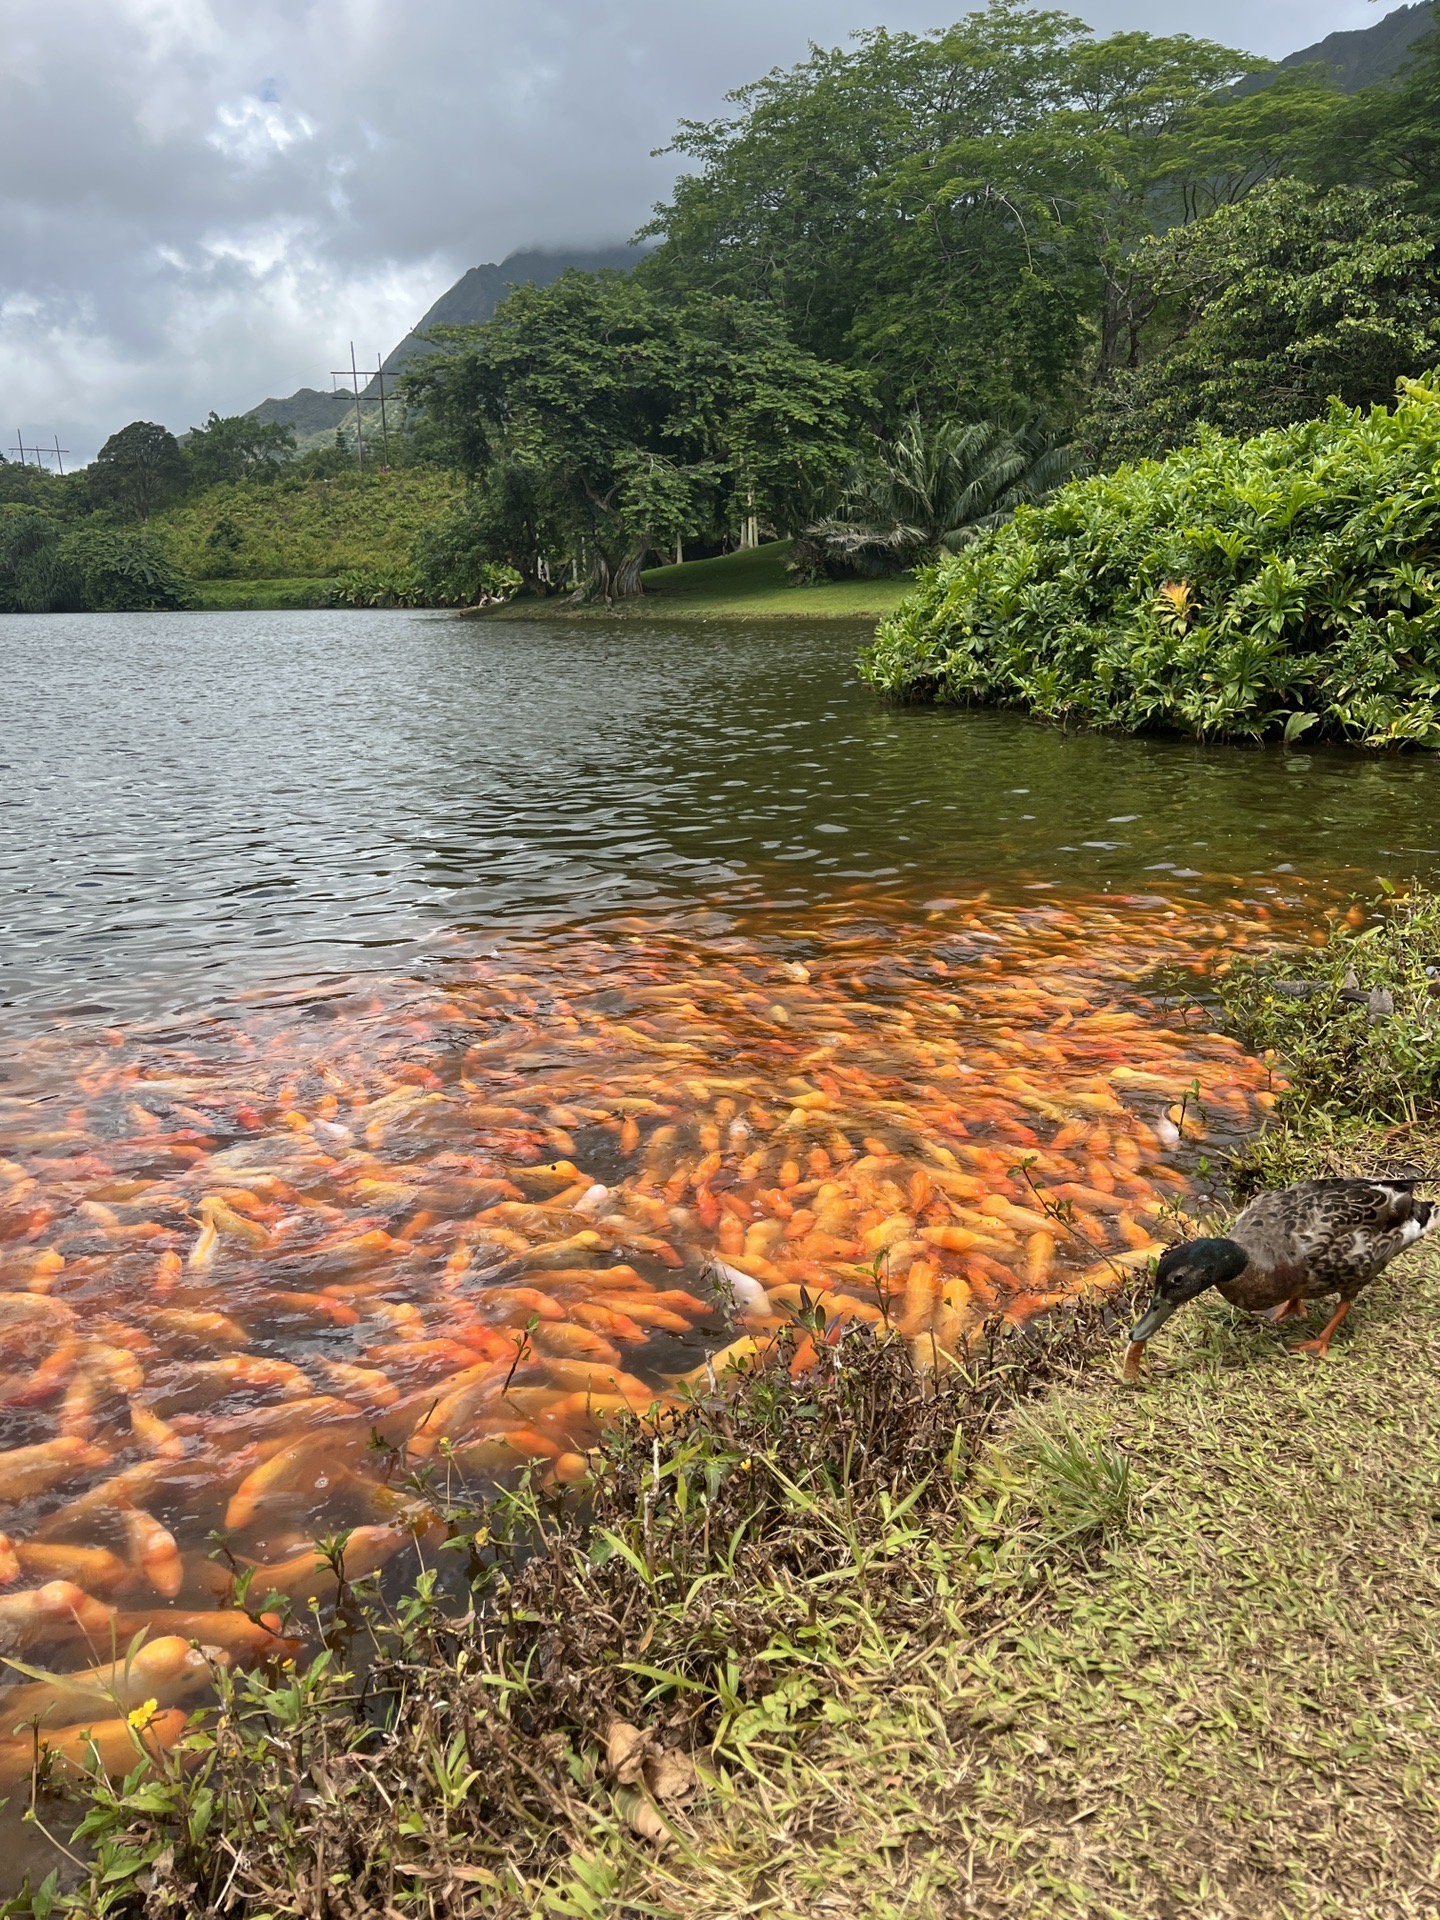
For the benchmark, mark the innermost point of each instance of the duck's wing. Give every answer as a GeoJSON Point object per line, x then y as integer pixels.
{"type": "Point", "coordinates": [1340, 1232]}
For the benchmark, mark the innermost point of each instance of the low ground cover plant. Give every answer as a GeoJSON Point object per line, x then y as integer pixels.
{"type": "Point", "coordinates": [1281, 586]}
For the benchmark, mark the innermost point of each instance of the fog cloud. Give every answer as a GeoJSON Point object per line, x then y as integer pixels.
{"type": "Point", "coordinates": [203, 201]}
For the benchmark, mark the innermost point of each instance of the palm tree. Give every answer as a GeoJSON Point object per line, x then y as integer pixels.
{"type": "Point", "coordinates": [931, 489]}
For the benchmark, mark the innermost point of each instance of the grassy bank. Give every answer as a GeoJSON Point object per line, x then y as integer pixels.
{"type": "Point", "coordinates": [752, 586]}
{"type": "Point", "coordinates": [858, 1646]}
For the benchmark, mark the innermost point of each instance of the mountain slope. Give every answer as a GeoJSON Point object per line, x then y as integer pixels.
{"type": "Point", "coordinates": [476, 294]}
{"type": "Point", "coordinates": [315, 414]}
{"type": "Point", "coordinates": [1366, 54]}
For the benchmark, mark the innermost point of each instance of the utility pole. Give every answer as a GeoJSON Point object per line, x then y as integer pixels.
{"type": "Point", "coordinates": [42, 454]}
{"type": "Point", "coordinates": [352, 374]}
{"type": "Point", "coordinates": [384, 428]}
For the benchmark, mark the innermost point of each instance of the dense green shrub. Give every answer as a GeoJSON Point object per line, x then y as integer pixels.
{"type": "Point", "coordinates": [485, 584]}
{"type": "Point", "coordinates": [1265, 310]}
{"type": "Point", "coordinates": [45, 568]}
{"type": "Point", "coordinates": [1285, 584]}
{"type": "Point", "coordinates": [122, 572]}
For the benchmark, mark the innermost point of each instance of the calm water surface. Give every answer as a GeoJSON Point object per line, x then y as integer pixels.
{"type": "Point", "coordinates": [192, 804]}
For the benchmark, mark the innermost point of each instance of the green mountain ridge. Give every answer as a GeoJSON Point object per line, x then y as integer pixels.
{"type": "Point", "coordinates": [1363, 55]}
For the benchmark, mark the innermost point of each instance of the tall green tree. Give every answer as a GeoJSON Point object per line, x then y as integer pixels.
{"type": "Point", "coordinates": [1389, 133]}
{"type": "Point", "coordinates": [1262, 311]}
{"type": "Point", "coordinates": [642, 419]}
{"type": "Point", "coordinates": [137, 470]}
{"type": "Point", "coordinates": [957, 211]}
{"type": "Point", "coordinates": [236, 447]}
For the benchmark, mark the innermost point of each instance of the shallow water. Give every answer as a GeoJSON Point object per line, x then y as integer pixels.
{"type": "Point", "coordinates": [415, 1026]}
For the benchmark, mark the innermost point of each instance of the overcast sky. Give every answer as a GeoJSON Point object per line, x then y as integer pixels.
{"type": "Point", "coordinates": [203, 201]}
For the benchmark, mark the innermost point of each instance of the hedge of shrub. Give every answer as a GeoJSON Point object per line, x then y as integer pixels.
{"type": "Point", "coordinates": [1283, 585]}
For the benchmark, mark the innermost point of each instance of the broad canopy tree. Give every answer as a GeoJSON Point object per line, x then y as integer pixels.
{"type": "Point", "coordinates": [1265, 310]}
{"type": "Point", "coordinates": [138, 469]}
{"type": "Point", "coordinates": [237, 447]}
{"type": "Point", "coordinates": [957, 212]}
{"type": "Point", "coordinates": [638, 419]}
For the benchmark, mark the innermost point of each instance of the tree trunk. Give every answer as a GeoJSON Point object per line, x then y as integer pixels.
{"type": "Point", "coordinates": [611, 579]}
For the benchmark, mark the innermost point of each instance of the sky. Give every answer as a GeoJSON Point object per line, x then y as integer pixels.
{"type": "Point", "coordinates": [202, 202]}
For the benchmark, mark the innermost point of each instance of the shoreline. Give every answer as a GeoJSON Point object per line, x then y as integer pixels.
{"type": "Point", "coordinates": [739, 586]}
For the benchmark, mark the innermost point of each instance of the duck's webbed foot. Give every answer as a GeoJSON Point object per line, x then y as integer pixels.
{"type": "Point", "coordinates": [1287, 1310]}
{"type": "Point", "coordinates": [1320, 1345]}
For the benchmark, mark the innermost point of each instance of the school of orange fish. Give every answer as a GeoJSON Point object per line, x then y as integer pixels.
{"type": "Point", "coordinates": [479, 1217]}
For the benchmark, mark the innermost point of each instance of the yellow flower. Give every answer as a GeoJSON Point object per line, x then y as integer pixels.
{"type": "Point", "coordinates": [140, 1717]}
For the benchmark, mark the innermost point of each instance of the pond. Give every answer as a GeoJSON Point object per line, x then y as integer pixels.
{"type": "Point", "coordinates": [448, 1034]}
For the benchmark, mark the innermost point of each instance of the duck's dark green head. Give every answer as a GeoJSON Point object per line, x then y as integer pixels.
{"type": "Point", "coordinates": [1183, 1273]}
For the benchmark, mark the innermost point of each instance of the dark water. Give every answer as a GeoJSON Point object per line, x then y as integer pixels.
{"type": "Point", "coordinates": [193, 804]}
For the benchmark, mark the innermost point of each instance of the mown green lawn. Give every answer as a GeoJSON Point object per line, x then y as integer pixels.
{"type": "Point", "coordinates": [751, 585]}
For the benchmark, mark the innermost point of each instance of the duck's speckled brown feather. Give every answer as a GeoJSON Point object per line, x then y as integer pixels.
{"type": "Point", "coordinates": [1321, 1237]}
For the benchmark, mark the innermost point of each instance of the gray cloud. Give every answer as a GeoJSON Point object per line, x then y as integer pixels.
{"type": "Point", "coordinates": [203, 201]}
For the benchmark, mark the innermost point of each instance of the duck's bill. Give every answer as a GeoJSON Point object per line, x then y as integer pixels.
{"type": "Point", "coordinates": [1151, 1321]}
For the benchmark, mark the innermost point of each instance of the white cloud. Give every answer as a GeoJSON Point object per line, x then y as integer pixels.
{"type": "Point", "coordinates": [203, 201]}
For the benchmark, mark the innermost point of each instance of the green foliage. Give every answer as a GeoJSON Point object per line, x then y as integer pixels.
{"type": "Point", "coordinates": [64, 496]}
{"type": "Point", "coordinates": [639, 419]}
{"type": "Point", "coordinates": [137, 470]}
{"type": "Point", "coordinates": [1279, 586]}
{"type": "Point", "coordinates": [1344, 1054]}
{"type": "Point", "coordinates": [1081, 1489]}
{"type": "Point", "coordinates": [122, 572]}
{"type": "Point", "coordinates": [487, 583]}
{"type": "Point", "coordinates": [33, 575]}
{"type": "Point", "coordinates": [932, 488]}
{"type": "Point", "coordinates": [505, 519]}
{"type": "Point", "coordinates": [1268, 309]}
{"type": "Point", "coordinates": [293, 527]}
{"type": "Point", "coordinates": [45, 568]}
{"type": "Point", "coordinates": [1391, 132]}
{"type": "Point", "coordinates": [237, 447]}
{"type": "Point", "coordinates": [956, 211]}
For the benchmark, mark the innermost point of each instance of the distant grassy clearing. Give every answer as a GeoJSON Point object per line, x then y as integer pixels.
{"type": "Point", "coordinates": [217, 596]}
{"type": "Point", "coordinates": [751, 585]}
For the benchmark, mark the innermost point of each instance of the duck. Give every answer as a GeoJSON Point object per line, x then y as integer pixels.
{"type": "Point", "coordinates": [1290, 1247]}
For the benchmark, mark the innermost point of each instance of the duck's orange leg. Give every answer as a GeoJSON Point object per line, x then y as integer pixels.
{"type": "Point", "coordinates": [1287, 1310]}
{"type": "Point", "coordinates": [1320, 1345]}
